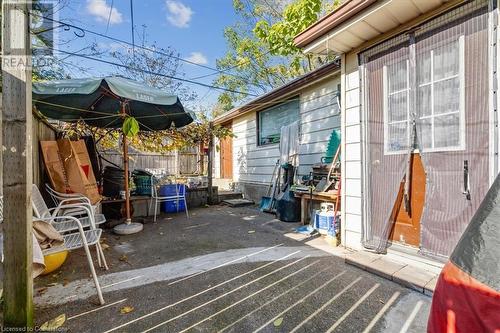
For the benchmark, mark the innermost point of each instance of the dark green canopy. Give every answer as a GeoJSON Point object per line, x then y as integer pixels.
{"type": "Point", "coordinates": [98, 102]}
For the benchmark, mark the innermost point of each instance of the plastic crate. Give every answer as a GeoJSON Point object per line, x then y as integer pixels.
{"type": "Point", "coordinates": [142, 185]}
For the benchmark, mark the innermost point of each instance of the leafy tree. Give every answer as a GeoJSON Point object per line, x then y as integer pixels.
{"type": "Point", "coordinates": [140, 64]}
{"type": "Point", "coordinates": [260, 46]}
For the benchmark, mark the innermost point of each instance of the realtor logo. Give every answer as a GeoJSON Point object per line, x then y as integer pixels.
{"type": "Point", "coordinates": [41, 33]}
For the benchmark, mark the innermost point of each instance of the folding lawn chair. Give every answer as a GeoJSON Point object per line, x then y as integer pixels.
{"type": "Point", "coordinates": [57, 197]}
{"type": "Point", "coordinates": [180, 195]}
{"type": "Point", "coordinates": [75, 240]}
{"type": "Point", "coordinates": [62, 225]}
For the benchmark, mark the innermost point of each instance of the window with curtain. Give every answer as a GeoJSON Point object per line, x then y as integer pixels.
{"type": "Point", "coordinates": [272, 119]}
{"type": "Point", "coordinates": [440, 100]}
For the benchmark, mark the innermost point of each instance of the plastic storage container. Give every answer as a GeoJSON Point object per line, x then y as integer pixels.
{"type": "Point", "coordinates": [170, 190]}
{"type": "Point", "coordinates": [113, 182]}
{"type": "Point", "coordinates": [142, 181]}
{"type": "Point", "coordinates": [323, 220]}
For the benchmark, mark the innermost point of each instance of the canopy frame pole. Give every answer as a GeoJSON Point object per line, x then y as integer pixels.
{"type": "Point", "coordinates": [125, 166]}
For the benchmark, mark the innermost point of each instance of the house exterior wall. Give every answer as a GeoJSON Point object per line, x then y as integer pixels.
{"type": "Point", "coordinates": [352, 144]}
{"type": "Point", "coordinates": [253, 165]}
{"type": "Point", "coordinates": [351, 191]}
{"type": "Point", "coordinates": [319, 116]}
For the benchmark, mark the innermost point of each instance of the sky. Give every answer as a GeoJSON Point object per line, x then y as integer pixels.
{"type": "Point", "coordinates": [194, 28]}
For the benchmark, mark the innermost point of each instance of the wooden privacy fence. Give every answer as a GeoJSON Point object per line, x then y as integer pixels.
{"type": "Point", "coordinates": [42, 131]}
{"type": "Point", "coordinates": [173, 163]}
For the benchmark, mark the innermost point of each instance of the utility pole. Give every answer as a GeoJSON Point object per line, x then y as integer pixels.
{"type": "Point", "coordinates": [17, 165]}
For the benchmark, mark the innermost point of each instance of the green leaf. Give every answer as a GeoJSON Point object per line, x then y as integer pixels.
{"type": "Point", "coordinates": [130, 127]}
{"type": "Point", "coordinates": [278, 322]}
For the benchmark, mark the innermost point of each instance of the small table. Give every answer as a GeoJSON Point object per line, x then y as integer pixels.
{"type": "Point", "coordinates": [305, 197]}
{"type": "Point", "coordinates": [109, 206]}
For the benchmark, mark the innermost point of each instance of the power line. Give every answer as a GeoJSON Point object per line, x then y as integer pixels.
{"type": "Point", "coordinates": [132, 26]}
{"type": "Point", "coordinates": [273, 9]}
{"type": "Point", "coordinates": [152, 73]}
{"type": "Point", "coordinates": [109, 16]}
{"type": "Point", "coordinates": [64, 24]}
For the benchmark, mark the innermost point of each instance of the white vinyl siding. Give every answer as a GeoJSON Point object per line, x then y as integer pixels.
{"type": "Point", "coordinates": [319, 116]}
{"type": "Point", "coordinates": [351, 205]}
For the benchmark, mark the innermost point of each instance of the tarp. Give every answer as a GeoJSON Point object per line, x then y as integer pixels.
{"type": "Point", "coordinates": [97, 102]}
{"type": "Point", "coordinates": [467, 295]}
{"type": "Point", "coordinates": [289, 143]}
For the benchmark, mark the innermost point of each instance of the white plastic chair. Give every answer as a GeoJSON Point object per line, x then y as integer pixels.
{"type": "Point", "coordinates": [72, 241]}
{"type": "Point", "coordinates": [57, 197]}
{"type": "Point", "coordinates": [66, 224]}
{"type": "Point", "coordinates": [180, 195]}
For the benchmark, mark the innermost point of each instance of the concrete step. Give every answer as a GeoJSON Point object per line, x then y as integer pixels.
{"type": "Point", "coordinates": [223, 184]}
{"type": "Point", "coordinates": [417, 278]}
{"type": "Point", "coordinates": [229, 195]}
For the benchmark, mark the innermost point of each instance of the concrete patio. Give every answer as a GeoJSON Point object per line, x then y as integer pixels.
{"type": "Point", "coordinates": [226, 269]}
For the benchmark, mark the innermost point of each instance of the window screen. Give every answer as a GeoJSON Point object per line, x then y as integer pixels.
{"type": "Point", "coordinates": [396, 107]}
{"type": "Point", "coordinates": [440, 100]}
{"type": "Point", "coordinates": [440, 96]}
{"type": "Point", "coordinates": [271, 120]}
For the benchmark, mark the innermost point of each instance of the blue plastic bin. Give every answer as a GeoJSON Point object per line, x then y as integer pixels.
{"type": "Point", "coordinates": [171, 206]}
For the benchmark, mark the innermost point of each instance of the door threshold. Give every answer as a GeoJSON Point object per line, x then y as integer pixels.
{"type": "Point", "coordinates": [410, 255]}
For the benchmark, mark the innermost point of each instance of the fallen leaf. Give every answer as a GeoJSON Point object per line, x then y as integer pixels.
{"type": "Point", "coordinates": [278, 322]}
{"type": "Point", "coordinates": [104, 246]}
{"type": "Point", "coordinates": [123, 258]}
{"type": "Point", "coordinates": [53, 324]}
{"type": "Point", "coordinates": [381, 301]}
{"type": "Point", "coordinates": [65, 282]}
{"type": "Point", "coordinates": [251, 231]}
{"type": "Point", "coordinates": [126, 309]}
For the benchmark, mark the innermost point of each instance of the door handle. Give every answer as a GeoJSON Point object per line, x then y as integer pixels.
{"type": "Point", "coordinates": [466, 190]}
